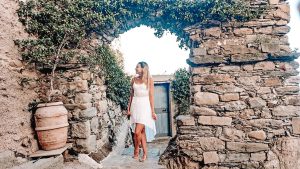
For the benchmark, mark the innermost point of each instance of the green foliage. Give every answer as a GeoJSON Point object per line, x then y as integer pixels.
{"type": "Point", "coordinates": [55, 21]}
{"type": "Point", "coordinates": [118, 83]}
{"type": "Point", "coordinates": [61, 26]}
{"type": "Point", "coordinates": [180, 88]}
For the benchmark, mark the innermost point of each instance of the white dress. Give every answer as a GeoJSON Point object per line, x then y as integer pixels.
{"type": "Point", "coordinates": [141, 111]}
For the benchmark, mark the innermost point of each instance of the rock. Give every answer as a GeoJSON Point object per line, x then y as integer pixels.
{"type": "Point", "coordinates": [279, 14]}
{"type": "Point", "coordinates": [85, 106]}
{"type": "Point", "coordinates": [88, 161]}
{"type": "Point", "coordinates": [267, 65]}
{"type": "Point", "coordinates": [7, 159]}
{"type": "Point", "coordinates": [87, 145]}
{"type": "Point", "coordinates": [233, 134]}
{"type": "Point", "coordinates": [229, 97]}
{"type": "Point", "coordinates": [288, 150]}
{"type": "Point", "coordinates": [248, 57]}
{"type": "Point", "coordinates": [246, 147]}
{"type": "Point", "coordinates": [206, 59]}
{"type": "Point", "coordinates": [102, 106]}
{"type": "Point", "coordinates": [237, 49]}
{"type": "Point", "coordinates": [272, 81]}
{"type": "Point", "coordinates": [195, 89]}
{"type": "Point", "coordinates": [235, 106]}
{"type": "Point", "coordinates": [230, 68]}
{"type": "Point", "coordinates": [210, 143]}
{"type": "Point", "coordinates": [214, 120]}
{"type": "Point", "coordinates": [242, 31]}
{"type": "Point", "coordinates": [281, 30]}
{"type": "Point", "coordinates": [286, 111]}
{"type": "Point", "coordinates": [287, 90]}
{"type": "Point", "coordinates": [202, 111]}
{"type": "Point", "coordinates": [296, 125]}
{"type": "Point", "coordinates": [247, 113]}
{"type": "Point", "coordinates": [264, 90]}
{"type": "Point", "coordinates": [184, 120]}
{"type": "Point", "coordinates": [266, 123]}
{"type": "Point", "coordinates": [258, 156]}
{"type": "Point", "coordinates": [292, 100]}
{"type": "Point", "coordinates": [273, 2]}
{"type": "Point", "coordinates": [214, 32]}
{"type": "Point", "coordinates": [205, 98]}
{"type": "Point", "coordinates": [236, 157]}
{"type": "Point", "coordinates": [256, 102]}
{"type": "Point", "coordinates": [199, 51]}
{"type": "Point", "coordinates": [213, 79]}
{"type": "Point", "coordinates": [81, 129]}
{"type": "Point", "coordinates": [270, 47]}
{"type": "Point", "coordinates": [272, 161]}
{"type": "Point", "coordinates": [264, 30]}
{"type": "Point", "coordinates": [94, 125]}
{"type": "Point", "coordinates": [211, 157]}
{"type": "Point", "coordinates": [88, 113]}
{"type": "Point", "coordinates": [259, 135]}
{"type": "Point", "coordinates": [249, 81]}
{"type": "Point", "coordinates": [201, 70]}
{"type": "Point", "coordinates": [292, 80]}
{"type": "Point", "coordinates": [81, 86]}
{"type": "Point", "coordinates": [83, 98]}
{"type": "Point", "coordinates": [223, 89]}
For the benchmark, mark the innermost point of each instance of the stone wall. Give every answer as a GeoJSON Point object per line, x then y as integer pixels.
{"type": "Point", "coordinates": [245, 97]}
{"type": "Point", "coordinates": [93, 118]}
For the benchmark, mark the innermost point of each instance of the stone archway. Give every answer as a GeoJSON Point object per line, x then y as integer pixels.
{"type": "Point", "coordinates": [245, 97]}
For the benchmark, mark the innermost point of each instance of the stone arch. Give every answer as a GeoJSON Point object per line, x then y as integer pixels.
{"type": "Point", "coordinates": [244, 94]}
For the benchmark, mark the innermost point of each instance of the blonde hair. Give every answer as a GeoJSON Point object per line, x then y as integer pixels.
{"type": "Point", "coordinates": [146, 73]}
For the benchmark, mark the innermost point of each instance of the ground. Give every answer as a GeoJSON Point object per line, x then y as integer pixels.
{"type": "Point", "coordinates": [123, 159]}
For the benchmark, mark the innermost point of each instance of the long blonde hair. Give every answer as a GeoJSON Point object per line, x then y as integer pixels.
{"type": "Point", "coordinates": [146, 73]}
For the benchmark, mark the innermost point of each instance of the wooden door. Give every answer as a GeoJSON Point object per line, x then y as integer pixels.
{"type": "Point", "coordinates": [161, 106]}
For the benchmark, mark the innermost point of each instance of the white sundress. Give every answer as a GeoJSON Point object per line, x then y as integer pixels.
{"type": "Point", "coordinates": [141, 111]}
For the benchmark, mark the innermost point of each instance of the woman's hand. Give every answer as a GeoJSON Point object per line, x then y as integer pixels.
{"type": "Point", "coordinates": [128, 113]}
{"type": "Point", "coordinates": [154, 116]}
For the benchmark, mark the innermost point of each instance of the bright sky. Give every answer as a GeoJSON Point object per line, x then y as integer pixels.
{"type": "Point", "coordinates": [163, 54]}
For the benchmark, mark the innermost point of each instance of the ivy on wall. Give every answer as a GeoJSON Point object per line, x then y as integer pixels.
{"type": "Point", "coordinates": [180, 88]}
{"type": "Point", "coordinates": [118, 83]}
{"type": "Point", "coordinates": [60, 26]}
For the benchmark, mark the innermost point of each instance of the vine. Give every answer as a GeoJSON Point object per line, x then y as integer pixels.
{"type": "Point", "coordinates": [180, 88]}
{"type": "Point", "coordinates": [59, 27]}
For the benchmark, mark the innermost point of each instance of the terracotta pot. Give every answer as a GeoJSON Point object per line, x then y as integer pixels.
{"type": "Point", "coordinates": [51, 120]}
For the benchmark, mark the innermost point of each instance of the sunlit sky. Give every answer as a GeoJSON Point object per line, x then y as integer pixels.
{"type": "Point", "coordinates": [163, 54]}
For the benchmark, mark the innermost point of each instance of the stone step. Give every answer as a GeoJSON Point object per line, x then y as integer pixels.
{"type": "Point", "coordinates": [45, 163]}
{"type": "Point", "coordinates": [7, 159]}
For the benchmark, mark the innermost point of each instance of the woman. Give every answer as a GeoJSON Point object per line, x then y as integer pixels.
{"type": "Point", "coordinates": [141, 109]}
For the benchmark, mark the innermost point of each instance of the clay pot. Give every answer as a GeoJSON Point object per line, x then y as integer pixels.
{"type": "Point", "coordinates": [51, 120]}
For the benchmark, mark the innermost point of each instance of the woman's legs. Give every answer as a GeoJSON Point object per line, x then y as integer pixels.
{"type": "Point", "coordinates": [144, 143]}
{"type": "Point", "coordinates": [137, 138]}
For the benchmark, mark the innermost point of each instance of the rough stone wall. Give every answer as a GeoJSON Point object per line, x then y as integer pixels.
{"type": "Point", "coordinates": [17, 86]}
{"type": "Point", "coordinates": [245, 97]}
{"type": "Point", "coordinates": [93, 118]}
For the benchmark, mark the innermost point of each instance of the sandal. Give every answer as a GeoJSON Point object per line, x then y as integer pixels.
{"type": "Point", "coordinates": [143, 159]}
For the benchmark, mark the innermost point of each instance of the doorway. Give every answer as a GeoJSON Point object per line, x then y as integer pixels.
{"type": "Point", "coordinates": [162, 109]}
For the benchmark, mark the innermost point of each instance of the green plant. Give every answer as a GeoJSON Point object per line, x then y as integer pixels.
{"type": "Point", "coordinates": [118, 83]}
{"type": "Point", "coordinates": [180, 88]}
{"type": "Point", "coordinates": [59, 27]}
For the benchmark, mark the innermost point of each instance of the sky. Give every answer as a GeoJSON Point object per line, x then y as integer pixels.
{"type": "Point", "coordinates": [164, 56]}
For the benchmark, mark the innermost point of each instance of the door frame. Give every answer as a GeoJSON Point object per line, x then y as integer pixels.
{"type": "Point", "coordinates": [166, 79]}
